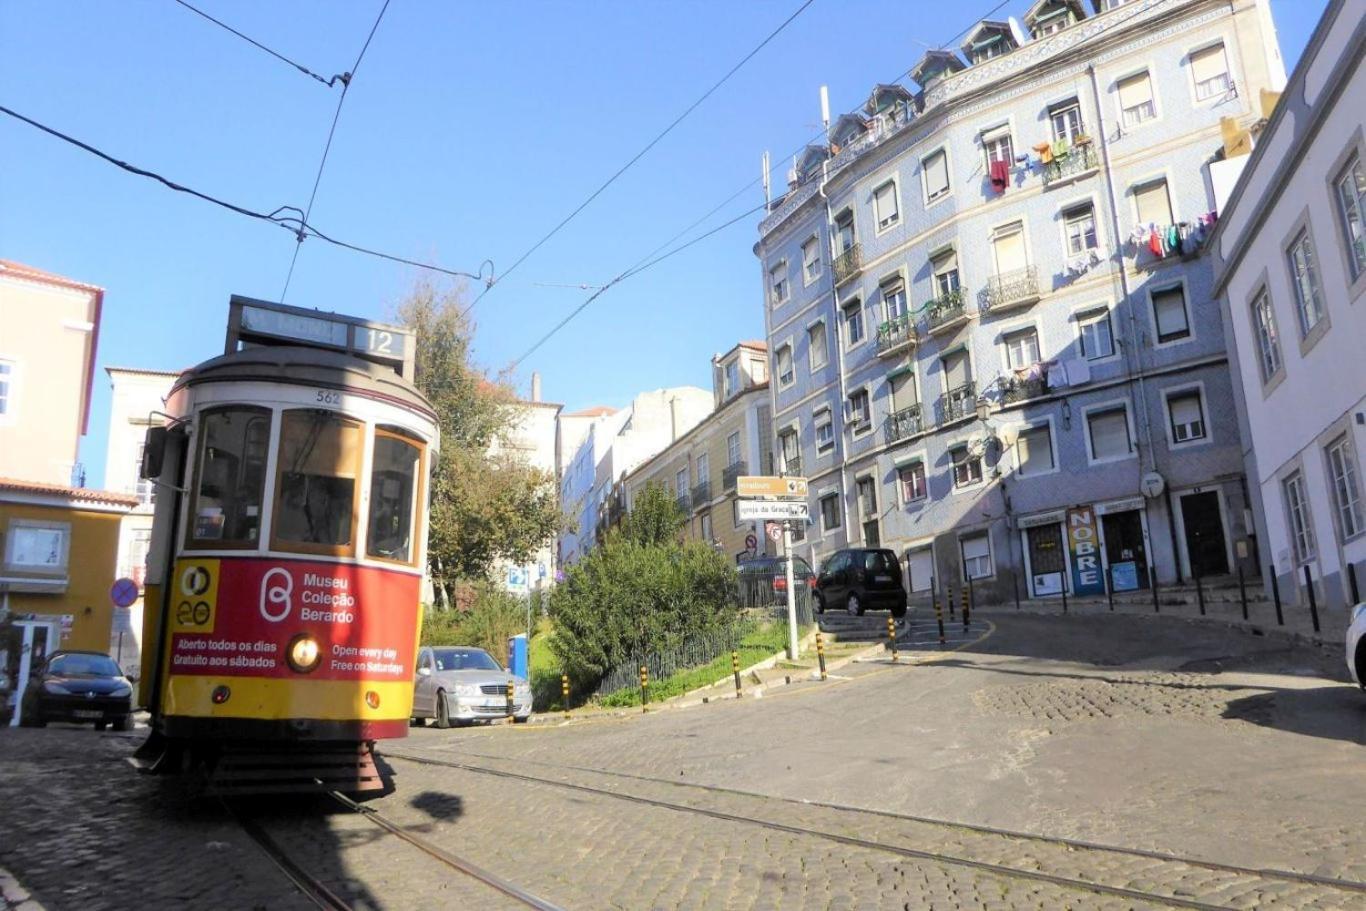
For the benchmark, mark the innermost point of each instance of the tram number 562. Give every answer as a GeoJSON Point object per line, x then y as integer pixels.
{"type": "Point", "coordinates": [327, 397]}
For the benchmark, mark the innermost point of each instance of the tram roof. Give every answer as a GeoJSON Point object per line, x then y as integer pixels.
{"type": "Point", "coordinates": [307, 367]}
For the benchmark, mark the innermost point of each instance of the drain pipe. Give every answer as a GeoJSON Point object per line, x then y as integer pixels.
{"type": "Point", "coordinates": [839, 353]}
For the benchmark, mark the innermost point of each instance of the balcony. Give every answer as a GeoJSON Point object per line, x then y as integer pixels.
{"type": "Point", "coordinates": [958, 403]}
{"type": "Point", "coordinates": [792, 465]}
{"type": "Point", "coordinates": [848, 264]}
{"type": "Point", "coordinates": [701, 493]}
{"type": "Point", "coordinates": [684, 503]}
{"type": "Point", "coordinates": [1012, 290]}
{"type": "Point", "coordinates": [1079, 162]}
{"type": "Point", "coordinates": [904, 423]}
{"type": "Point", "coordinates": [896, 335]}
{"type": "Point", "coordinates": [1018, 390]}
{"type": "Point", "coordinates": [730, 474]}
{"type": "Point", "coordinates": [946, 313]}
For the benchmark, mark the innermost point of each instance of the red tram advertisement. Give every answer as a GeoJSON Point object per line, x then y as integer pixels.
{"type": "Point", "coordinates": [285, 574]}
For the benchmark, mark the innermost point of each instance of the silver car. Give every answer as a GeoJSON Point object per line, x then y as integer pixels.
{"type": "Point", "coordinates": [461, 685]}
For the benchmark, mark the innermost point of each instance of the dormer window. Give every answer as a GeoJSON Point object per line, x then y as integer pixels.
{"type": "Point", "coordinates": [934, 66]}
{"type": "Point", "coordinates": [730, 383]}
{"type": "Point", "coordinates": [1048, 17]}
{"type": "Point", "coordinates": [989, 39]}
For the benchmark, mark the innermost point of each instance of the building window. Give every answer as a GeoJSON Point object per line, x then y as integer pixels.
{"type": "Point", "coordinates": [1034, 451]}
{"type": "Point", "coordinates": [996, 146]}
{"type": "Point", "coordinates": [867, 504]}
{"type": "Point", "coordinates": [859, 418]}
{"type": "Point", "coordinates": [1187, 416]}
{"type": "Point", "coordinates": [825, 431]}
{"type": "Point", "coordinates": [1153, 203]}
{"type": "Point", "coordinates": [912, 482]}
{"type": "Point", "coordinates": [798, 532]}
{"type": "Point", "coordinates": [1095, 335]}
{"type": "Point", "coordinates": [1304, 271]}
{"type": "Point", "coordinates": [36, 546]}
{"type": "Point", "coordinates": [903, 390]}
{"type": "Point", "coordinates": [894, 299]}
{"type": "Point", "coordinates": [6, 387]}
{"type": "Point", "coordinates": [885, 208]}
{"type": "Point", "coordinates": [1108, 431]}
{"type": "Point", "coordinates": [811, 259]}
{"type": "Point", "coordinates": [705, 523]}
{"type": "Point", "coordinates": [733, 449]}
{"type": "Point", "coordinates": [785, 372]}
{"type": "Point", "coordinates": [967, 468]}
{"type": "Point", "coordinates": [1351, 187]}
{"type": "Point", "coordinates": [853, 322]}
{"type": "Point", "coordinates": [945, 267]}
{"type": "Point", "coordinates": [1169, 311]}
{"type": "Point", "coordinates": [1022, 348]}
{"type": "Point", "coordinates": [232, 475]}
{"type": "Point", "coordinates": [789, 448]}
{"type": "Point", "coordinates": [1346, 494]}
{"type": "Point", "coordinates": [1066, 121]}
{"type": "Point", "coordinates": [935, 170]}
{"type": "Point", "coordinates": [1136, 99]}
{"type": "Point", "coordinates": [703, 469]}
{"type": "Point", "coordinates": [681, 487]}
{"type": "Point", "coordinates": [735, 513]}
{"type": "Point", "coordinates": [976, 556]}
{"type": "Point", "coordinates": [1268, 342]}
{"type": "Point", "coordinates": [1297, 508]}
{"type": "Point", "coordinates": [844, 232]}
{"type": "Point", "coordinates": [732, 378]}
{"type": "Point", "coordinates": [1080, 224]}
{"type": "Point", "coordinates": [1008, 247]}
{"type": "Point", "coordinates": [1209, 68]}
{"type": "Point", "coordinates": [777, 283]}
{"type": "Point", "coordinates": [818, 354]}
{"type": "Point", "coordinates": [830, 512]}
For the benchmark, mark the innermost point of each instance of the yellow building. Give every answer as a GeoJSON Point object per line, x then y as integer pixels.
{"type": "Point", "coordinates": [700, 467]}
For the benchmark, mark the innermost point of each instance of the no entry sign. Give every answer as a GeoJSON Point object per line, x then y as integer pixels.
{"type": "Point", "coordinates": [123, 592]}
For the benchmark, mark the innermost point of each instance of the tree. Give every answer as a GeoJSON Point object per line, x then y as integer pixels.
{"type": "Point", "coordinates": [487, 504]}
{"type": "Point", "coordinates": [655, 518]}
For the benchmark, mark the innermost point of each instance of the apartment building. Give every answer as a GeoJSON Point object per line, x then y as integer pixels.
{"type": "Point", "coordinates": [531, 439]}
{"type": "Point", "coordinates": [1289, 259]}
{"type": "Point", "coordinates": [996, 343]}
{"type": "Point", "coordinates": [700, 467]}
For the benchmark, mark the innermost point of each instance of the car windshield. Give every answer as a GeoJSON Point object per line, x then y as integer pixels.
{"type": "Point", "coordinates": [879, 561]}
{"type": "Point", "coordinates": [84, 666]}
{"type": "Point", "coordinates": [464, 659]}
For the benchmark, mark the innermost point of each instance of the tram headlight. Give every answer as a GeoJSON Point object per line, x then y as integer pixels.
{"type": "Point", "coordinates": [303, 653]}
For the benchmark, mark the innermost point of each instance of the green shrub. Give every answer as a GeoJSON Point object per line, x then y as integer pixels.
{"type": "Point", "coordinates": [494, 616]}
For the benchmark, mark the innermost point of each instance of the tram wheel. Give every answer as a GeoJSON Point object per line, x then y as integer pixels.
{"type": "Point", "coordinates": [443, 710]}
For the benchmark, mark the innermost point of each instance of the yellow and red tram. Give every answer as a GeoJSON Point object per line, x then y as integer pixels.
{"type": "Point", "coordinates": [286, 572]}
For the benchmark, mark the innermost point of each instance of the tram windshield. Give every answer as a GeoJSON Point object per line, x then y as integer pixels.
{"type": "Point", "coordinates": [315, 492]}
{"type": "Point", "coordinates": [395, 469]}
{"type": "Point", "coordinates": [232, 475]}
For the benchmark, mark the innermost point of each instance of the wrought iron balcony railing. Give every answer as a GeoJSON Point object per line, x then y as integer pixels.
{"type": "Point", "coordinates": [896, 334]}
{"type": "Point", "coordinates": [959, 402]}
{"type": "Point", "coordinates": [1017, 390]}
{"type": "Point", "coordinates": [1013, 289]}
{"type": "Point", "coordinates": [701, 492]}
{"type": "Point", "coordinates": [684, 502]}
{"type": "Point", "coordinates": [904, 423]}
{"type": "Point", "coordinates": [792, 464]}
{"type": "Point", "coordinates": [848, 263]}
{"type": "Point", "coordinates": [945, 311]}
{"type": "Point", "coordinates": [730, 474]}
{"type": "Point", "coordinates": [1079, 160]}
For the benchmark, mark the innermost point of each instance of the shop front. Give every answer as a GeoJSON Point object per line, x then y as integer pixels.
{"type": "Point", "coordinates": [1078, 548]}
{"type": "Point", "coordinates": [1041, 539]}
{"type": "Point", "coordinates": [1124, 533]}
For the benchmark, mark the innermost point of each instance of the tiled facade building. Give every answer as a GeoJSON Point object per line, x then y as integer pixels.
{"type": "Point", "coordinates": [995, 341]}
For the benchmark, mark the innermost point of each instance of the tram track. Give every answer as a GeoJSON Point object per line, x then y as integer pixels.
{"type": "Point", "coordinates": [1067, 863]}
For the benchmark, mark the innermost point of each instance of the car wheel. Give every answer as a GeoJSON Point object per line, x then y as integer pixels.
{"type": "Point", "coordinates": [820, 604]}
{"type": "Point", "coordinates": [443, 710]}
{"type": "Point", "coordinates": [101, 725]}
{"type": "Point", "coordinates": [898, 612]}
{"type": "Point", "coordinates": [520, 719]}
{"type": "Point", "coordinates": [121, 724]}
{"type": "Point", "coordinates": [853, 606]}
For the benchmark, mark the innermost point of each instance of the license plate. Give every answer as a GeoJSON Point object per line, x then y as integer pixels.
{"type": "Point", "coordinates": [882, 578]}
{"type": "Point", "coordinates": [495, 703]}
{"type": "Point", "coordinates": [86, 713]}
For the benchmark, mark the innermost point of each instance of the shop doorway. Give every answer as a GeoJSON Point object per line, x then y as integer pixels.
{"type": "Point", "coordinates": [1202, 521]}
{"type": "Point", "coordinates": [1125, 554]}
{"type": "Point", "coordinates": [30, 643]}
{"type": "Point", "coordinates": [1047, 565]}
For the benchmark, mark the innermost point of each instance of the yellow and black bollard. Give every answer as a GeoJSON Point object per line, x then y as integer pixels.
{"type": "Point", "coordinates": [891, 638]}
{"type": "Point", "coordinates": [510, 688]}
{"type": "Point", "coordinates": [820, 652]}
{"type": "Point", "coordinates": [966, 608]}
{"type": "Point", "coordinates": [949, 592]}
{"type": "Point", "coordinates": [644, 687]}
{"type": "Point", "coordinates": [939, 617]}
{"type": "Point", "coordinates": [735, 669]}
{"type": "Point", "coordinates": [564, 694]}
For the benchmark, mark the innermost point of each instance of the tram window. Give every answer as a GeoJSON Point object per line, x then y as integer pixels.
{"type": "Point", "coordinates": [315, 495]}
{"type": "Point", "coordinates": [232, 475]}
{"type": "Point", "coordinates": [395, 469]}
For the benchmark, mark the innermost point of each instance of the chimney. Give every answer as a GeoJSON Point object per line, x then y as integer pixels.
{"type": "Point", "coordinates": [673, 419]}
{"type": "Point", "coordinates": [535, 387]}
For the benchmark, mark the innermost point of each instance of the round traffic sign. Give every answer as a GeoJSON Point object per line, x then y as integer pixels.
{"type": "Point", "coordinates": [751, 542]}
{"type": "Point", "coordinates": [775, 531]}
{"type": "Point", "coordinates": [123, 592]}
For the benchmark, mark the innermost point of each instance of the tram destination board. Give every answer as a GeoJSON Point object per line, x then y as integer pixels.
{"type": "Point", "coordinates": [258, 322]}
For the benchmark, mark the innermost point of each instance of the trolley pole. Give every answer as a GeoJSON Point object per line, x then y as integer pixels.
{"type": "Point", "coordinates": [791, 593]}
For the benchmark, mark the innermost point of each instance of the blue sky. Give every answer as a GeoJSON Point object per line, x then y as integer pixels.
{"type": "Point", "coordinates": [469, 131]}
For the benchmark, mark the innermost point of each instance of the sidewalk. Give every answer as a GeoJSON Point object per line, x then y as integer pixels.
{"type": "Point", "coordinates": [13, 896]}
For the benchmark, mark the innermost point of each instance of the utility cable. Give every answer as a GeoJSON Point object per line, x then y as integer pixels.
{"type": "Point", "coordinates": [650, 145]}
{"type": "Point", "coordinates": [332, 131]}
{"type": "Point", "coordinates": [252, 41]}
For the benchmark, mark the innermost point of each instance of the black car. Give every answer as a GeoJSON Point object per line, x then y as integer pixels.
{"type": "Point", "coordinates": [861, 578]}
{"type": "Point", "coordinates": [763, 581]}
{"type": "Point", "coordinates": [80, 687]}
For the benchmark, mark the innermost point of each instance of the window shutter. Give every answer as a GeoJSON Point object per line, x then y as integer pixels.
{"type": "Point", "coordinates": [1135, 90]}
{"type": "Point", "coordinates": [884, 203]}
{"type": "Point", "coordinates": [1187, 419]}
{"type": "Point", "coordinates": [1109, 434]}
{"type": "Point", "coordinates": [1010, 250]}
{"type": "Point", "coordinates": [1169, 306]}
{"type": "Point", "coordinates": [975, 547]}
{"type": "Point", "coordinates": [946, 262]}
{"type": "Point", "coordinates": [936, 174]}
{"type": "Point", "coordinates": [1154, 206]}
{"type": "Point", "coordinates": [1209, 63]}
{"type": "Point", "coordinates": [955, 370]}
{"type": "Point", "coordinates": [1035, 451]}
{"type": "Point", "coordinates": [903, 391]}
{"type": "Point", "coordinates": [920, 567]}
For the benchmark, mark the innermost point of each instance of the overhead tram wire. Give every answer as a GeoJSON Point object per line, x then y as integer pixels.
{"type": "Point", "coordinates": [648, 146]}
{"type": "Point", "coordinates": [336, 116]}
{"type": "Point", "coordinates": [252, 41]}
{"type": "Point", "coordinates": [291, 223]}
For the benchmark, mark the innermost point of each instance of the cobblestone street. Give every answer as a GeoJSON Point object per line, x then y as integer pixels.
{"type": "Point", "coordinates": [1190, 766]}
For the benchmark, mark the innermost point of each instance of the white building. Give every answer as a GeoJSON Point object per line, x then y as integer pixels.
{"type": "Point", "coordinates": [1290, 263]}
{"type": "Point", "coordinates": [533, 440]}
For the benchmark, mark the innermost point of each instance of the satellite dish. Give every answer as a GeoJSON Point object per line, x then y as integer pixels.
{"type": "Point", "coordinates": [1152, 484]}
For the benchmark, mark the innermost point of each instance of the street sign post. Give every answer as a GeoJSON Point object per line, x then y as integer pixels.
{"type": "Point", "coordinates": [788, 510]}
{"type": "Point", "coordinates": [791, 593]}
{"type": "Point", "coordinates": [769, 486]}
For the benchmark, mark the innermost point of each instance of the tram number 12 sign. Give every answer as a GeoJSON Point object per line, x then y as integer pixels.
{"type": "Point", "coordinates": [1084, 543]}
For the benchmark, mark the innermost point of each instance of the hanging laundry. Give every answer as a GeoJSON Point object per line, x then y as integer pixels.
{"type": "Point", "coordinates": [1173, 239]}
{"type": "Point", "coordinates": [1155, 243]}
{"type": "Point", "coordinates": [1045, 151]}
{"type": "Point", "coordinates": [1000, 175]}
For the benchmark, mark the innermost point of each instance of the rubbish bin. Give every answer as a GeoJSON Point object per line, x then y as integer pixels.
{"type": "Point", "coordinates": [517, 656]}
